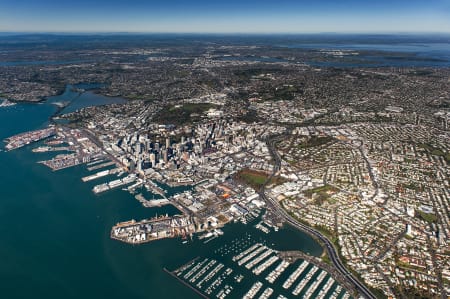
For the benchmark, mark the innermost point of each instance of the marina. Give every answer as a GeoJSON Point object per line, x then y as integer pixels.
{"type": "Point", "coordinates": [315, 285]}
{"type": "Point", "coordinates": [251, 255]}
{"type": "Point", "coordinates": [267, 293]}
{"type": "Point", "coordinates": [305, 280]}
{"type": "Point", "coordinates": [296, 274]}
{"type": "Point", "coordinates": [272, 276]}
{"type": "Point", "coordinates": [151, 203]}
{"type": "Point", "coordinates": [253, 291]}
{"type": "Point", "coordinates": [265, 265]}
{"type": "Point", "coordinates": [221, 275]}
{"type": "Point", "coordinates": [326, 288]}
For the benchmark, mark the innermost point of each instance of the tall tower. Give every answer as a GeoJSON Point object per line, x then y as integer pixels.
{"type": "Point", "coordinates": [165, 156]}
{"type": "Point", "coordinates": [153, 159]}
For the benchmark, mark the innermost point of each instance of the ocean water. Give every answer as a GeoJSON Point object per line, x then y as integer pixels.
{"type": "Point", "coordinates": [78, 99]}
{"type": "Point", "coordinates": [41, 62]}
{"type": "Point", "coordinates": [393, 54]}
{"type": "Point", "coordinates": [55, 232]}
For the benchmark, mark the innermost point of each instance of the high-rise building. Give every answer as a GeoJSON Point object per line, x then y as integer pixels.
{"type": "Point", "coordinates": [153, 159]}
{"type": "Point", "coordinates": [139, 165]}
{"type": "Point", "coordinates": [138, 148]}
{"type": "Point", "coordinates": [167, 143]}
{"type": "Point", "coordinates": [165, 156]}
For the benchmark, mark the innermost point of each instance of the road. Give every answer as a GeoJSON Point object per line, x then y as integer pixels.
{"type": "Point", "coordinates": [280, 212]}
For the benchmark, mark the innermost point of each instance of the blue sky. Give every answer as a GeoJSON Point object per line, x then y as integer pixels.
{"type": "Point", "coordinates": [245, 16]}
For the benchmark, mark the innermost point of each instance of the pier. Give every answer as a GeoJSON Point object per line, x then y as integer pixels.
{"type": "Point", "coordinates": [315, 285]}
{"type": "Point", "coordinates": [185, 283]}
{"type": "Point", "coordinates": [20, 140]}
{"type": "Point", "coordinates": [151, 203]}
{"type": "Point", "coordinates": [103, 165]}
{"type": "Point", "coordinates": [294, 275]}
{"type": "Point", "coordinates": [295, 255]}
{"type": "Point", "coordinates": [100, 174]}
{"type": "Point", "coordinates": [253, 290]}
{"type": "Point", "coordinates": [251, 255]}
{"type": "Point", "coordinates": [272, 276]}
{"type": "Point", "coordinates": [259, 259]}
{"type": "Point", "coordinates": [305, 281]}
{"type": "Point", "coordinates": [114, 184]}
{"type": "Point", "coordinates": [133, 232]}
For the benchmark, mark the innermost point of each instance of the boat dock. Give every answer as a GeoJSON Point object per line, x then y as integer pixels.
{"type": "Point", "coordinates": [245, 252]}
{"type": "Point", "coordinates": [114, 184]}
{"type": "Point", "coordinates": [103, 165]}
{"type": "Point", "coordinates": [184, 283]}
{"type": "Point", "coordinates": [315, 285]}
{"type": "Point", "coordinates": [153, 229]}
{"type": "Point", "coordinates": [253, 290]}
{"type": "Point", "coordinates": [154, 188]}
{"type": "Point", "coordinates": [152, 202]}
{"type": "Point", "coordinates": [294, 275]}
{"type": "Point", "coordinates": [272, 276]}
{"type": "Point", "coordinates": [96, 161]}
{"type": "Point", "coordinates": [100, 174]}
{"type": "Point", "coordinates": [326, 288]}
{"type": "Point", "coordinates": [259, 258]}
{"type": "Point", "coordinates": [258, 270]}
{"type": "Point", "coordinates": [305, 280]}
{"type": "Point", "coordinates": [251, 255]}
{"type": "Point", "coordinates": [267, 293]}
{"type": "Point", "coordinates": [212, 277]}
{"type": "Point", "coordinates": [44, 149]}
{"type": "Point", "coordinates": [20, 140]}
{"type": "Point", "coordinates": [66, 161]}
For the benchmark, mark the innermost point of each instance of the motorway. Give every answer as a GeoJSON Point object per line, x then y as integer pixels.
{"type": "Point", "coordinates": [280, 212]}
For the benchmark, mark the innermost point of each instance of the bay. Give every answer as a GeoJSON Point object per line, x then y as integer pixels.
{"type": "Point", "coordinates": [55, 232]}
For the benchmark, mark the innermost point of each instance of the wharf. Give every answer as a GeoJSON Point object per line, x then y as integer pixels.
{"type": "Point", "coordinates": [65, 161]}
{"type": "Point", "coordinates": [103, 165]}
{"type": "Point", "coordinates": [23, 139]}
{"type": "Point", "coordinates": [43, 149]}
{"type": "Point", "coordinates": [96, 161]}
{"type": "Point", "coordinates": [153, 229]}
{"type": "Point", "coordinates": [153, 202]}
{"type": "Point", "coordinates": [292, 256]}
{"type": "Point", "coordinates": [100, 174]}
{"type": "Point", "coordinates": [114, 184]}
{"type": "Point", "coordinates": [155, 188]}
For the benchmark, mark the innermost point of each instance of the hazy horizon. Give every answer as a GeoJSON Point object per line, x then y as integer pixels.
{"type": "Point", "coordinates": [233, 16]}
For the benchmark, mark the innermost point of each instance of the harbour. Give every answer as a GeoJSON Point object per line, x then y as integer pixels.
{"type": "Point", "coordinates": [235, 269]}
{"type": "Point", "coordinates": [20, 140]}
{"type": "Point", "coordinates": [224, 281]}
{"type": "Point", "coordinates": [100, 174]}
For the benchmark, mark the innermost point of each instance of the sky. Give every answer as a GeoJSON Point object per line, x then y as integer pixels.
{"type": "Point", "coordinates": [226, 16]}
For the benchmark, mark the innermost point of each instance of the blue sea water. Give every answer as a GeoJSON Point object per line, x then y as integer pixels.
{"type": "Point", "coordinates": [41, 62]}
{"type": "Point", "coordinates": [381, 55]}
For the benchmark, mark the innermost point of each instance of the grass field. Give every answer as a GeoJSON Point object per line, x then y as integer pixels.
{"type": "Point", "coordinates": [180, 115]}
{"type": "Point", "coordinates": [253, 178]}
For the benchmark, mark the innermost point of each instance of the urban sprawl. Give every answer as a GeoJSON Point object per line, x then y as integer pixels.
{"type": "Point", "coordinates": [357, 158]}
